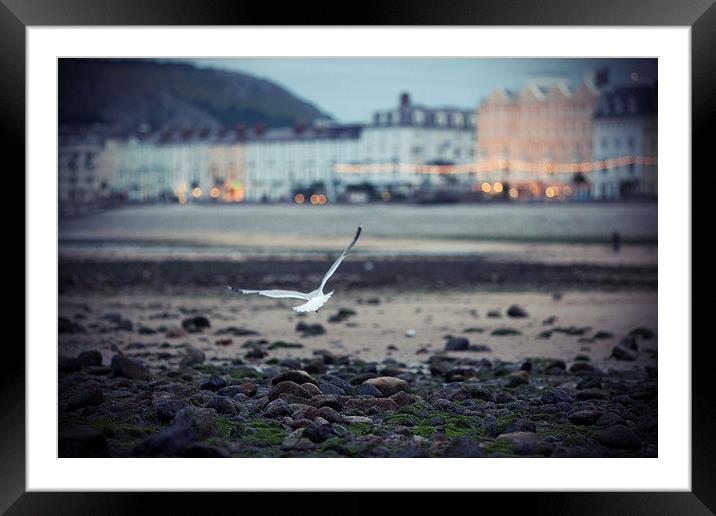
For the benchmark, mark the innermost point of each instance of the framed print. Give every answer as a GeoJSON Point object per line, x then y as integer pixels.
{"type": "Point", "coordinates": [434, 250]}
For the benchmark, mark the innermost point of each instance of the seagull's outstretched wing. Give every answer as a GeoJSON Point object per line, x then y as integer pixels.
{"type": "Point", "coordinates": [276, 293]}
{"type": "Point", "coordinates": [340, 259]}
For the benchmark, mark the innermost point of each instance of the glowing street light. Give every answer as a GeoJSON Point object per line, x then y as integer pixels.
{"type": "Point", "coordinates": [299, 198]}
{"type": "Point", "coordinates": [196, 193]}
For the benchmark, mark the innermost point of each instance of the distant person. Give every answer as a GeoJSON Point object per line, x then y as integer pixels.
{"type": "Point", "coordinates": [616, 241]}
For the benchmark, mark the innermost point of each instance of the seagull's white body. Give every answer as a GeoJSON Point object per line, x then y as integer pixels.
{"type": "Point", "coordinates": [315, 299]}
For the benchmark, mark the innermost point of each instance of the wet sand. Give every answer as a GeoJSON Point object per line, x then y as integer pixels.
{"type": "Point", "coordinates": [379, 330]}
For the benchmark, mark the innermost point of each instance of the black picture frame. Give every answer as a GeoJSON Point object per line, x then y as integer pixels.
{"type": "Point", "coordinates": [17, 15]}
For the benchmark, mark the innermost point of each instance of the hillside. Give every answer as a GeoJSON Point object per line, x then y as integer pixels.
{"type": "Point", "coordinates": [128, 93]}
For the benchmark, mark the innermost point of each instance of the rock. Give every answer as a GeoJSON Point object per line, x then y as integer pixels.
{"type": "Point", "coordinates": [502, 332]}
{"type": "Point", "coordinates": [603, 335]}
{"type": "Point", "coordinates": [230, 390]}
{"type": "Point", "coordinates": [331, 388]}
{"type": "Point", "coordinates": [214, 383]}
{"type": "Point", "coordinates": [192, 357]}
{"type": "Point", "coordinates": [167, 409]}
{"type": "Point", "coordinates": [337, 381]}
{"type": "Point", "coordinates": [517, 311]}
{"type": "Point", "coordinates": [256, 354]}
{"type": "Point", "coordinates": [327, 400]}
{"type": "Point", "coordinates": [305, 412]}
{"type": "Point", "coordinates": [590, 382]}
{"type": "Point", "coordinates": [366, 389]}
{"type": "Point", "coordinates": [310, 330]}
{"type": "Point", "coordinates": [629, 342]}
{"type": "Point", "coordinates": [190, 425]}
{"type": "Point", "coordinates": [644, 333]}
{"type": "Point", "coordinates": [288, 387]}
{"type": "Point", "coordinates": [618, 436]}
{"type": "Point", "coordinates": [437, 421]}
{"type": "Point", "coordinates": [315, 367]}
{"type": "Point", "coordinates": [503, 397]}
{"type": "Point", "coordinates": [479, 348]}
{"type": "Point", "coordinates": [195, 324]}
{"type": "Point", "coordinates": [556, 396]}
{"type": "Point", "coordinates": [90, 358]}
{"type": "Point", "coordinates": [81, 441]}
{"type": "Point", "coordinates": [370, 403]}
{"type": "Point", "coordinates": [225, 405]}
{"type": "Point", "coordinates": [357, 420]}
{"type": "Point", "coordinates": [205, 450]}
{"type": "Point", "coordinates": [402, 398]}
{"type": "Point", "coordinates": [247, 388]}
{"type": "Point", "coordinates": [200, 420]}
{"type": "Point", "coordinates": [470, 391]}
{"type": "Point", "coordinates": [582, 368]}
{"type": "Point", "coordinates": [388, 385]}
{"type": "Point", "coordinates": [517, 378]}
{"type": "Point", "coordinates": [317, 433]}
{"type": "Point", "coordinates": [277, 408]}
{"type": "Point", "coordinates": [591, 394]}
{"type": "Point", "coordinates": [622, 353]}
{"type": "Point", "coordinates": [311, 389]}
{"type": "Point", "coordinates": [457, 344]}
{"type": "Point", "coordinates": [555, 367]}
{"type": "Point", "coordinates": [527, 443]}
{"type": "Point", "coordinates": [65, 325]}
{"type": "Point", "coordinates": [464, 447]}
{"type": "Point", "coordinates": [129, 368]}
{"type": "Point", "coordinates": [410, 333]}
{"type": "Point", "coordinates": [585, 417]}
{"type": "Point", "coordinates": [341, 315]}
{"type": "Point", "coordinates": [495, 314]}
{"type": "Point", "coordinates": [330, 415]}
{"type": "Point", "coordinates": [68, 364]}
{"type": "Point", "coordinates": [87, 396]}
{"type": "Point", "coordinates": [298, 377]}
{"type": "Point", "coordinates": [520, 425]}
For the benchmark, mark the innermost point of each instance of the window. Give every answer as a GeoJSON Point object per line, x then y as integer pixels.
{"type": "Point", "coordinates": [418, 117]}
{"type": "Point", "coordinates": [441, 118]}
{"type": "Point", "coordinates": [457, 119]}
{"type": "Point", "coordinates": [618, 106]}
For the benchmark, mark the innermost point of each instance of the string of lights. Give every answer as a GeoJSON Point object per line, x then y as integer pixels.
{"type": "Point", "coordinates": [497, 165]}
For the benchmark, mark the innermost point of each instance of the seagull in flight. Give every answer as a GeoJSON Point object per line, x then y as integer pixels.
{"type": "Point", "coordinates": [315, 299]}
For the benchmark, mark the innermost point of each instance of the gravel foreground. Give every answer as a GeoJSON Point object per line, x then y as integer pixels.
{"type": "Point", "coordinates": [145, 382]}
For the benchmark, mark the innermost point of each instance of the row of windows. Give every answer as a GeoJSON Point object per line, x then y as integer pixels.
{"type": "Point", "coordinates": [631, 143]}
{"type": "Point", "coordinates": [419, 117]}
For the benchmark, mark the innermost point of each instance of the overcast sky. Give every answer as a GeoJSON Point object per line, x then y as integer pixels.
{"type": "Point", "coordinates": [350, 89]}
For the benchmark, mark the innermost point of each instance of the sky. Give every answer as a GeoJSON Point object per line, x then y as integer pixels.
{"type": "Point", "coordinates": [350, 89]}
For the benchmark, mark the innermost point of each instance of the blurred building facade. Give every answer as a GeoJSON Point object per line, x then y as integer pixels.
{"type": "Point", "coordinates": [545, 141]}
{"type": "Point", "coordinates": [625, 125]}
{"type": "Point", "coordinates": [399, 141]}
{"type": "Point", "coordinates": [85, 168]}
{"type": "Point", "coordinates": [281, 162]}
{"type": "Point", "coordinates": [522, 134]}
